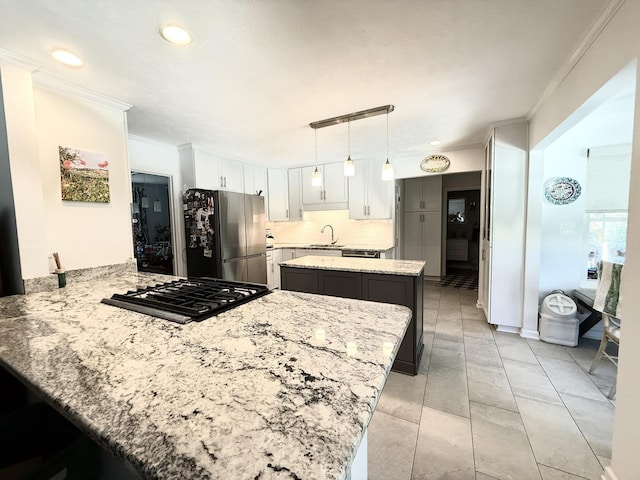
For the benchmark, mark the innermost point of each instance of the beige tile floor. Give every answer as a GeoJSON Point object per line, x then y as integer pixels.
{"type": "Point", "coordinates": [488, 405]}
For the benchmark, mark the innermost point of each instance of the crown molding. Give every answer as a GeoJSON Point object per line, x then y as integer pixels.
{"type": "Point", "coordinates": [19, 60]}
{"type": "Point", "coordinates": [598, 26]}
{"type": "Point", "coordinates": [138, 138]}
{"type": "Point", "coordinates": [54, 84]}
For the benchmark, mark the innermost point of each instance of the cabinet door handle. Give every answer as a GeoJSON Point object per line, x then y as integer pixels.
{"type": "Point", "coordinates": [364, 210]}
{"type": "Point", "coordinates": [221, 184]}
{"type": "Point", "coordinates": [225, 182]}
{"type": "Point", "coordinates": [369, 210]}
{"type": "Point", "coordinates": [287, 213]}
{"type": "Point", "coordinates": [300, 212]}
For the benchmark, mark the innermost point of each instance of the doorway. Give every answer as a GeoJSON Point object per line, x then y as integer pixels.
{"type": "Point", "coordinates": [151, 223]}
{"type": "Point", "coordinates": [462, 232]}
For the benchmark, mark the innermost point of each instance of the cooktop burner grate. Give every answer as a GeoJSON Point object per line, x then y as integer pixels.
{"type": "Point", "coordinates": [186, 300]}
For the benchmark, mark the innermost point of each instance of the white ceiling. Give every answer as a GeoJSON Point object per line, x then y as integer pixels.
{"type": "Point", "coordinates": [259, 71]}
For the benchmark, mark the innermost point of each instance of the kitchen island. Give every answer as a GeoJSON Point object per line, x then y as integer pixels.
{"type": "Point", "coordinates": [283, 386]}
{"type": "Point", "coordinates": [379, 280]}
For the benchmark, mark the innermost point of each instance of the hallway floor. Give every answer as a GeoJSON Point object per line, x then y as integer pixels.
{"type": "Point", "coordinates": [489, 405]}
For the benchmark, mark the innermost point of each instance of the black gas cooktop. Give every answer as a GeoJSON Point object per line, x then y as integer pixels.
{"type": "Point", "coordinates": [186, 300]}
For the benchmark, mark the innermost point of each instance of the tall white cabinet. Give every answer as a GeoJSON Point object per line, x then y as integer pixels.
{"type": "Point", "coordinates": [503, 220]}
{"type": "Point", "coordinates": [423, 222]}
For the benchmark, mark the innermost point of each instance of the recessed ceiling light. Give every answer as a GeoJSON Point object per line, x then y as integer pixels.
{"type": "Point", "coordinates": [434, 143]}
{"type": "Point", "coordinates": [175, 34]}
{"type": "Point", "coordinates": [67, 57]}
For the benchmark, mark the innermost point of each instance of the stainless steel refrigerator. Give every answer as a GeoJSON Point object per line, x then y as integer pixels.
{"type": "Point", "coordinates": [225, 235]}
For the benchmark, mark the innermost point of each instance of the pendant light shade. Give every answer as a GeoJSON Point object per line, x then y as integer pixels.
{"type": "Point", "coordinates": [387, 168]}
{"type": "Point", "coordinates": [349, 167]}
{"type": "Point", "coordinates": [145, 200]}
{"type": "Point", "coordinates": [316, 176]}
{"type": "Point", "coordinates": [387, 171]}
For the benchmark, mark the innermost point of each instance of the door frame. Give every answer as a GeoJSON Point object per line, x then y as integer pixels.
{"type": "Point", "coordinates": [444, 215]}
{"type": "Point", "coordinates": [176, 234]}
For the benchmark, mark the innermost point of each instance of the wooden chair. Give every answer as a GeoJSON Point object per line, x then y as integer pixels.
{"type": "Point", "coordinates": [607, 302]}
{"type": "Point", "coordinates": [610, 333]}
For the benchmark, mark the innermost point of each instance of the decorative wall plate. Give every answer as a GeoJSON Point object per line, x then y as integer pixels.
{"type": "Point", "coordinates": [561, 190]}
{"type": "Point", "coordinates": [435, 163]}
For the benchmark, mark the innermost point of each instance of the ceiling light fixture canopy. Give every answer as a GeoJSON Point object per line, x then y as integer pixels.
{"type": "Point", "coordinates": [175, 34]}
{"type": "Point", "coordinates": [67, 57]}
{"type": "Point", "coordinates": [350, 117]}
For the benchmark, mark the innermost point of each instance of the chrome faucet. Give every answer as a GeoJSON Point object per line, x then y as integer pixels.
{"type": "Point", "coordinates": [333, 242]}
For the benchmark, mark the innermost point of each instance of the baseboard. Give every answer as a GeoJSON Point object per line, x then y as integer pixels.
{"type": "Point", "coordinates": [534, 334]}
{"type": "Point", "coordinates": [507, 328]}
{"type": "Point", "coordinates": [608, 474]}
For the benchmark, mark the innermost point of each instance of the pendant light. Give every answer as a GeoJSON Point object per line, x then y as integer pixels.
{"type": "Point", "coordinates": [387, 168]}
{"type": "Point", "coordinates": [316, 176]}
{"type": "Point", "coordinates": [349, 167]}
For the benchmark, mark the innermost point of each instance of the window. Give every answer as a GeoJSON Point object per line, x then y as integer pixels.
{"type": "Point", "coordinates": [606, 238]}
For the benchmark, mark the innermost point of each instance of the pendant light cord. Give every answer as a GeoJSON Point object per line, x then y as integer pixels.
{"type": "Point", "coordinates": [349, 130]}
{"type": "Point", "coordinates": [315, 130]}
{"type": "Point", "coordinates": [387, 136]}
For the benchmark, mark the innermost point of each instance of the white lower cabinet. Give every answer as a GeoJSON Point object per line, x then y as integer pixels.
{"type": "Point", "coordinates": [274, 257]}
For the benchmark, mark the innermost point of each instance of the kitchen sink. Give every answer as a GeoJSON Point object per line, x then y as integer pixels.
{"type": "Point", "coordinates": [325, 245]}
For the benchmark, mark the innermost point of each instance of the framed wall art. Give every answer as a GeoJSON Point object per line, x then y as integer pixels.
{"type": "Point", "coordinates": [84, 176]}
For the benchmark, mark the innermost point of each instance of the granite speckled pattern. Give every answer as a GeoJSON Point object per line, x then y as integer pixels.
{"type": "Point", "coordinates": [50, 282]}
{"type": "Point", "coordinates": [281, 387]}
{"type": "Point", "coordinates": [411, 268]}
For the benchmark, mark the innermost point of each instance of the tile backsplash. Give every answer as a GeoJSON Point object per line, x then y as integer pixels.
{"type": "Point", "coordinates": [347, 231]}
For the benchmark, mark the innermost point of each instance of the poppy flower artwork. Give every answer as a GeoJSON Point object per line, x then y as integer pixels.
{"type": "Point", "coordinates": [84, 176]}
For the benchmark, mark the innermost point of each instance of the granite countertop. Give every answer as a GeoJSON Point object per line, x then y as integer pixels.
{"type": "Point", "coordinates": [338, 246]}
{"type": "Point", "coordinates": [411, 268]}
{"type": "Point", "coordinates": [280, 387]}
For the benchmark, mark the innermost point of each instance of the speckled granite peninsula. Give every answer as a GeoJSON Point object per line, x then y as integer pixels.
{"type": "Point", "coordinates": [380, 280]}
{"type": "Point", "coordinates": [348, 264]}
{"type": "Point", "coordinates": [281, 387]}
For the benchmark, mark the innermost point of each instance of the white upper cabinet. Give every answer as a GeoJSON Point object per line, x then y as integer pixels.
{"type": "Point", "coordinates": [370, 197]}
{"type": "Point", "coordinates": [278, 182]}
{"type": "Point", "coordinates": [202, 169]}
{"type": "Point", "coordinates": [295, 194]}
{"type": "Point", "coordinates": [255, 180]}
{"type": "Point", "coordinates": [332, 194]}
{"type": "Point", "coordinates": [231, 176]}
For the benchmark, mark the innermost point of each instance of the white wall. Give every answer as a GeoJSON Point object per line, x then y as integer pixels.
{"type": "Point", "coordinates": [26, 178]}
{"type": "Point", "coordinates": [464, 160]}
{"type": "Point", "coordinates": [148, 156]}
{"type": "Point", "coordinates": [38, 121]}
{"type": "Point", "coordinates": [616, 46]}
{"type": "Point", "coordinates": [84, 234]}
{"type": "Point", "coordinates": [562, 259]}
